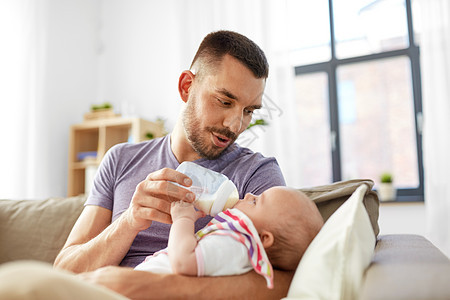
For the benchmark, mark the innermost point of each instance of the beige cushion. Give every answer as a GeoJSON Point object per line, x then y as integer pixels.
{"type": "Point", "coordinates": [36, 229]}
{"type": "Point", "coordinates": [333, 265]}
{"type": "Point", "coordinates": [330, 197]}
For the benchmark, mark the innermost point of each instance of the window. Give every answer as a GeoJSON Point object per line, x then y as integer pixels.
{"type": "Point", "coordinates": [358, 91]}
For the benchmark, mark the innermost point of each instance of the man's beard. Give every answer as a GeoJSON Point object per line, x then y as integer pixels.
{"type": "Point", "coordinates": [202, 144]}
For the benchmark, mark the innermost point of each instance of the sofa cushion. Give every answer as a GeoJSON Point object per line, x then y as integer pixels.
{"type": "Point", "coordinates": [333, 265]}
{"type": "Point", "coordinates": [330, 197]}
{"type": "Point", "coordinates": [407, 266]}
{"type": "Point", "coordinates": [36, 229]}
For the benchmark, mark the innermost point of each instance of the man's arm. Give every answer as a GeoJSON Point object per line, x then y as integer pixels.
{"type": "Point", "coordinates": [96, 242]}
{"type": "Point", "coordinates": [145, 285]}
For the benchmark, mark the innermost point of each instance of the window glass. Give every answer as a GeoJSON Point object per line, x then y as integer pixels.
{"type": "Point", "coordinates": [365, 26]}
{"type": "Point", "coordinates": [376, 121]}
{"type": "Point", "coordinates": [313, 128]}
{"type": "Point", "coordinates": [309, 34]}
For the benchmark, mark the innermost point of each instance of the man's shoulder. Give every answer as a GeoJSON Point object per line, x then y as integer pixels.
{"type": "Point", "coordinates": [127, 156]}
{"type": "Point", "coordinates": [253, 171]}
{"type": "Point", "coordinates": [240, 163]}
{"type": "Point", "coordinates": [141, 147]}
{"type": "Point", "coordinates": [243, 154]}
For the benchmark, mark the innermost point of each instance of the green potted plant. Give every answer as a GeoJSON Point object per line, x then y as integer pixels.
{"type": "Point", "coordinates": [100, 111]}
{"type": "Point", "coordinates": [101, 107]}
{"type": "Point", "coordinates": [386, 190]}
{"type": "Point", "coordinates": [258, 122]}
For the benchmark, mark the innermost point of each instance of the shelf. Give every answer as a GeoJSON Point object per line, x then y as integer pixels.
{"type": "Point", "coordinates": [84, 164]}
{"type": "Point", "coordinates": [99, 135]}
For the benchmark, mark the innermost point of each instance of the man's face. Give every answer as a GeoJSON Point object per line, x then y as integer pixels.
{"type": "Point", "coordinates": [220, 107]}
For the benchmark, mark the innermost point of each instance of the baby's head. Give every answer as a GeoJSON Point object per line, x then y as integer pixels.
{"type": "Point", "coordinates": [287, 221]}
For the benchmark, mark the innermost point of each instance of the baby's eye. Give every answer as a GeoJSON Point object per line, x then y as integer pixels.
{"type": "Point", "coordinates": [254, 200]}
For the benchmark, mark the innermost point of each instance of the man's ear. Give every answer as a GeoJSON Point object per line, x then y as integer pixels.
{"type": "Point", "coordinates": [266, 238]}
{"type": "Point", "coordinates": [184, 84]}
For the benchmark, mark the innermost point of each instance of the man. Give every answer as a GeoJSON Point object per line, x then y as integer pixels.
{"type": "Point", "coordinates": [127, 215]}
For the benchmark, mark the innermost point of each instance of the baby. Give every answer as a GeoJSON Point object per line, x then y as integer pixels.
{"type": "Point", "coordinates": [272, 229]}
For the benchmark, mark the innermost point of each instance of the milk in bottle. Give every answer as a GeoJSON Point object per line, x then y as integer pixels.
{"type": "Point", "coordinates": [214, 192]}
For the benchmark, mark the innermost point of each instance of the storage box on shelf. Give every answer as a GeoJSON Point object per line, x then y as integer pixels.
{"type": "Point", "coordinates": [90, 140]}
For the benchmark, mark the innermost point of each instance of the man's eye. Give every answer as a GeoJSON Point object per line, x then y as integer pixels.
{"type": "Point", "coordinates": [224, 103]}
{"type": "Point", "coordinates": [248, 111]}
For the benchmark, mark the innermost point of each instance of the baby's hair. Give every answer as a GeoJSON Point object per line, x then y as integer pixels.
{"type": "Point", "coordinates": [293, 232]}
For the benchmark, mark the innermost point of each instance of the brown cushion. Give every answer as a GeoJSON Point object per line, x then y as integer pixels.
{"type": "Point", "coordinates": [36, 229]}
{"type": "Point", "coordinates": [330, 197]}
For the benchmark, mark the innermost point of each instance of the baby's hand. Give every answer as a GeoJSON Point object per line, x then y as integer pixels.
{"type": "Point", "coordinates": [182, 209]}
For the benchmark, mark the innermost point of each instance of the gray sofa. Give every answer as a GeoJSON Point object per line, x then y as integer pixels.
{"type": "Point", "coordinates": [403, 266]}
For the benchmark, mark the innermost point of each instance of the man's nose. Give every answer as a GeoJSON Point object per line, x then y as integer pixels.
{"type": "Point", "coordinates": [234, 122]}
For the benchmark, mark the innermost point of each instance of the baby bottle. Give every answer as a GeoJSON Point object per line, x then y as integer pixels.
{"type": "Point", "coordinates": [214, 192]}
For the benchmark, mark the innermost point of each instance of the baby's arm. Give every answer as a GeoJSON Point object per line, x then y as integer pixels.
{"type": "Point", "coordinates": [182, 240]}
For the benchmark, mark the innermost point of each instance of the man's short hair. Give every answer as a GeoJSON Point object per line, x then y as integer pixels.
{"type": "Point", "coordinates": [217, 44]}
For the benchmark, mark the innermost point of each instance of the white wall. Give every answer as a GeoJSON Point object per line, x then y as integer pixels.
{"type": "Point", "coordinates": [409, 218]}
{"type": "Point", "coordinates": [138, 73]}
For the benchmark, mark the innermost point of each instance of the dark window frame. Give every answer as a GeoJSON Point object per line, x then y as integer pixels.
{"type": "Point", "coordinates": [330, 67]}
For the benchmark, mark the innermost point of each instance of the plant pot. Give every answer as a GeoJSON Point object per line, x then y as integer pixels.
{"type": "Point", "coordinates": [386, 192]}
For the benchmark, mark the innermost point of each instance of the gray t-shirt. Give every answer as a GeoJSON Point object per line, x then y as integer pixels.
{"type": "Point", "coordinates": [126, 165]}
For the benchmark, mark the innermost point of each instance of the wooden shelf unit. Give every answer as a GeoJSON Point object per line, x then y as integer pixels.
{"type": "Point", "coordinates": [100, 135]}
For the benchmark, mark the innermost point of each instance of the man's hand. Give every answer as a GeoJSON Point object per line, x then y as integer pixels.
{"type": "Point", "coordinates": [153, 197]}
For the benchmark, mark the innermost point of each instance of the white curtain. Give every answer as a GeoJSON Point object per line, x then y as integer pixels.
{"type": "Point", "coordinates": [22, 72]}
{"type": "Point", "coordinates": [265, 22]}
{"type": "Point", "coordinates": [435, 60]}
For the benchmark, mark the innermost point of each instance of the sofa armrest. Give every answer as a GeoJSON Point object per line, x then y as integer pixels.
{"type": "Point", "coordinates": [407, 267]}
{"type": "Point", "coordinates": [36, 229]}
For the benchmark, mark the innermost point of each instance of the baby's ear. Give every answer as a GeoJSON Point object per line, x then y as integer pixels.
{"type": "Point", "coordinates": [266, 238]}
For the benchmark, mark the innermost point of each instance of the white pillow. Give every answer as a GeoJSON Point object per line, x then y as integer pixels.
{"type": "Point", "coordinates": [334, 263]}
